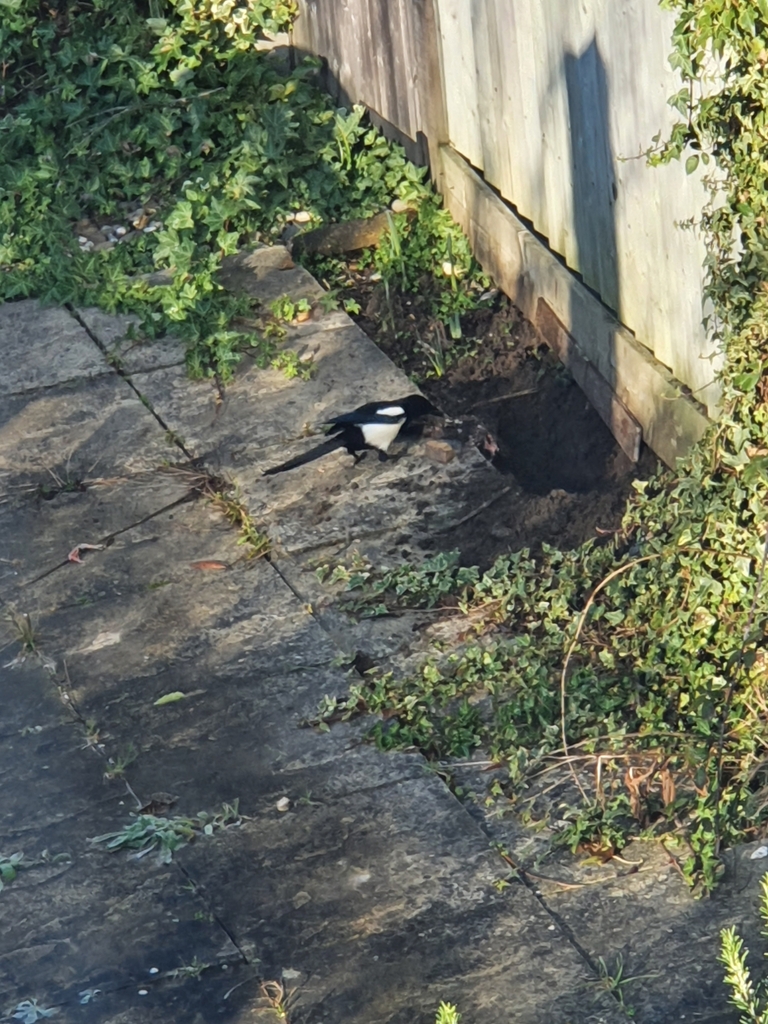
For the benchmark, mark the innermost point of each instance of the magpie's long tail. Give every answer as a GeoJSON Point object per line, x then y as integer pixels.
{"type": "Point", "coordinates": [314, 453]}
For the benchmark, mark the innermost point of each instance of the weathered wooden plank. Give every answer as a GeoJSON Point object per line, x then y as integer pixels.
{"type": "Point", "coordinates": [460, 79]}
{"type": "Point", "coordinates": [528, 272]}
{"type": "Point", "coordinates": [604, 399]}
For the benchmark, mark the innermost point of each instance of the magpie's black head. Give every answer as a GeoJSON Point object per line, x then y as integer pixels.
{"type": "Point", "coordinates": [415, 406]}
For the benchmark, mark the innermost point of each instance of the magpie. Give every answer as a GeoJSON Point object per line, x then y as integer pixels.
{"type": "Point", "coordinates": [373, 426]}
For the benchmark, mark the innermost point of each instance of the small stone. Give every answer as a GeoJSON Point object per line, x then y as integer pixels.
{"type": "Point", "coordinates": [302, 217]}
{"type": "Point", "coordinates": [152, 226]}
{"type": "Point", "coordinates": [439, 451]}
{"type": "Point", "coordinates": [143, 992]}
{"type": "Point", "coordinates": [120, 231]}
{"type": "Point", "coordinates": [759, 853]}
{"type": "Point", "coordinates": [400, 206]}
{"type": "Point", "coordinates": [154, 970]}
{"type": "Point", "coordinates": [82, 239]}
{"type": "Point", "coordinates": [283, 804]}
{"type": "Point", "coordinates": [303, 315]}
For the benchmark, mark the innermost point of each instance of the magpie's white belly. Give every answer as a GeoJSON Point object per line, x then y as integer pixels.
{"type": "Point", "coordinates": [381, 435]}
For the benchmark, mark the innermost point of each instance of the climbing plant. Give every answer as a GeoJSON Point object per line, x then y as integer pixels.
{"type": "Point", "coordinates": [652, 647]}
{"type": "Point", "coordinates": [163, 117]}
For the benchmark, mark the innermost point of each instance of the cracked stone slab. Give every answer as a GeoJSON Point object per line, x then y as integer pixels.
{"type": "Point", "coordinates": [672, 942]}
{"type": "Point", "coordinates": [380, 911]}
{"type": "Point", "coordinates": [132, 355]}
{"type": "Point", "coordinates": [41, 347]}
{"type": "Point", "coordinates": [263, 409]}
{"type": "Point", "coordinates": [333, 502]}
{"type": "Point", "coordinates": [38, 535]}
{"type": "Point", "coordinates": [145, 604]}
{"type": "Point", "coordinates": [68, 433]}
{"type": "Point", "coordinates": [77, 917]}
{"type": "Point", "coordinates": [103, 922]}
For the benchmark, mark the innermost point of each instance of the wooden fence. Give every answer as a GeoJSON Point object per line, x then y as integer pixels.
{"type": "Point", "coordinates": [535, 115]}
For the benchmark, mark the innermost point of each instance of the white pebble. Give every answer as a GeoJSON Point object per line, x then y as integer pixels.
{"type": "Point", "coordinates": [283, 804]}
{"type": "Point", "coordinates": [399, 206]}
{"type": "Point", "coordinates": [759, 853]}
{"type": "Point", "coordinates": [143, 992]}
{"type": "Point", "coordinates": [152, 226]}
{"type": "Point", "coordinates": [82, 239]}
{"type": "Point", "coordinates": [303, 217]}
{"type": "Point", "coordinates": [120, 230]}
{"type": "Point", "coordinates": [154, 970]}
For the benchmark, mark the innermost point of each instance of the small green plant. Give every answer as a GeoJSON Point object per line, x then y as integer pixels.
{"type": "Point", "coordinates": [287, 310]}
{"type": "Point", "coordinates": [274, 995]}
{"type": "Point", "coordinates": [116, 766]}
{"type": "Point", "coordinates": [148, 833]}
{"type": "Point", "coordinates": [26, 635]}
{"type": "Point", "coordinates": [28, 1011]}
{"type": "Point", "coordinates": [447, 1013]}
{"type": "Point", "coordinates": [613, 981]}
{"type": "Point", "coordinates": [9, 867]}
{"type": "Point", "coordinates": [192, 970]}
{"type": "Point", "coordinates": [746, 995]}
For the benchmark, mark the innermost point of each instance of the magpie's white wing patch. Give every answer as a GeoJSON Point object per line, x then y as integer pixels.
{"type": "Point", "coordinates": [381, 435]}
{"type": "Point", "coordinates": [391, 410]}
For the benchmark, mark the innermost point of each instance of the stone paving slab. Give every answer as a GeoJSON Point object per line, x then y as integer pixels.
{"type": "Point", "coordinates": [377, 938]}
{"type": "Point", "coordinates": [43, 346]}
{"type": "Point", "coordinates": [56, 438]}
{"type": "Point", "coordinates": [78, 919]}
{"type": "Point", "coordinates": [38, 535]}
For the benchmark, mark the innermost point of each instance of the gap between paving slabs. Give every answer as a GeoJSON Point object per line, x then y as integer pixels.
{"type": "Point", "coordinates": [177, 403]}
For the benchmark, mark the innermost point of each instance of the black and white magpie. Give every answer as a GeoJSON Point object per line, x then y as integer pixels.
{"type": "Point", "coordinates": [373, 426]}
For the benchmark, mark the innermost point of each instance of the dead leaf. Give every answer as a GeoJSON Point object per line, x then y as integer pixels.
{"type": "Point", "coordinates": [158, 804]}
{"type": "Point", "coordinates": [209, 564]}
{"type": "Point", "coordinates": [77, 550]}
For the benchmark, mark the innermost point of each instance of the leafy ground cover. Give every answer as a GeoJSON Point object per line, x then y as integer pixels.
{"type": "Point", "coordinates": [162, 124]}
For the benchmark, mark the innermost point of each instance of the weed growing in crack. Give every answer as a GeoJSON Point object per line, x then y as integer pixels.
{"type": "Point", "coordinates": [148, 833]}
{"type": "Point", "coordinates": [193, 970]}
{"type": "Point", "coordinates": [234, 510]}
{"type": "Point", "coordinates": [274, 995]}
{"type": "Point", "coordinates": [613, 980]}
{"type": "Point", "coordinates": [116, 766]}
{"type": "Point", "coordinates": [26, 635]}
{"type": "Point", "coordinates": [28, 1011]}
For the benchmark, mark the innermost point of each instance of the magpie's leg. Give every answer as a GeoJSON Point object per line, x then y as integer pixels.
{"type": "Point", "coordinates": [359, 456]}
